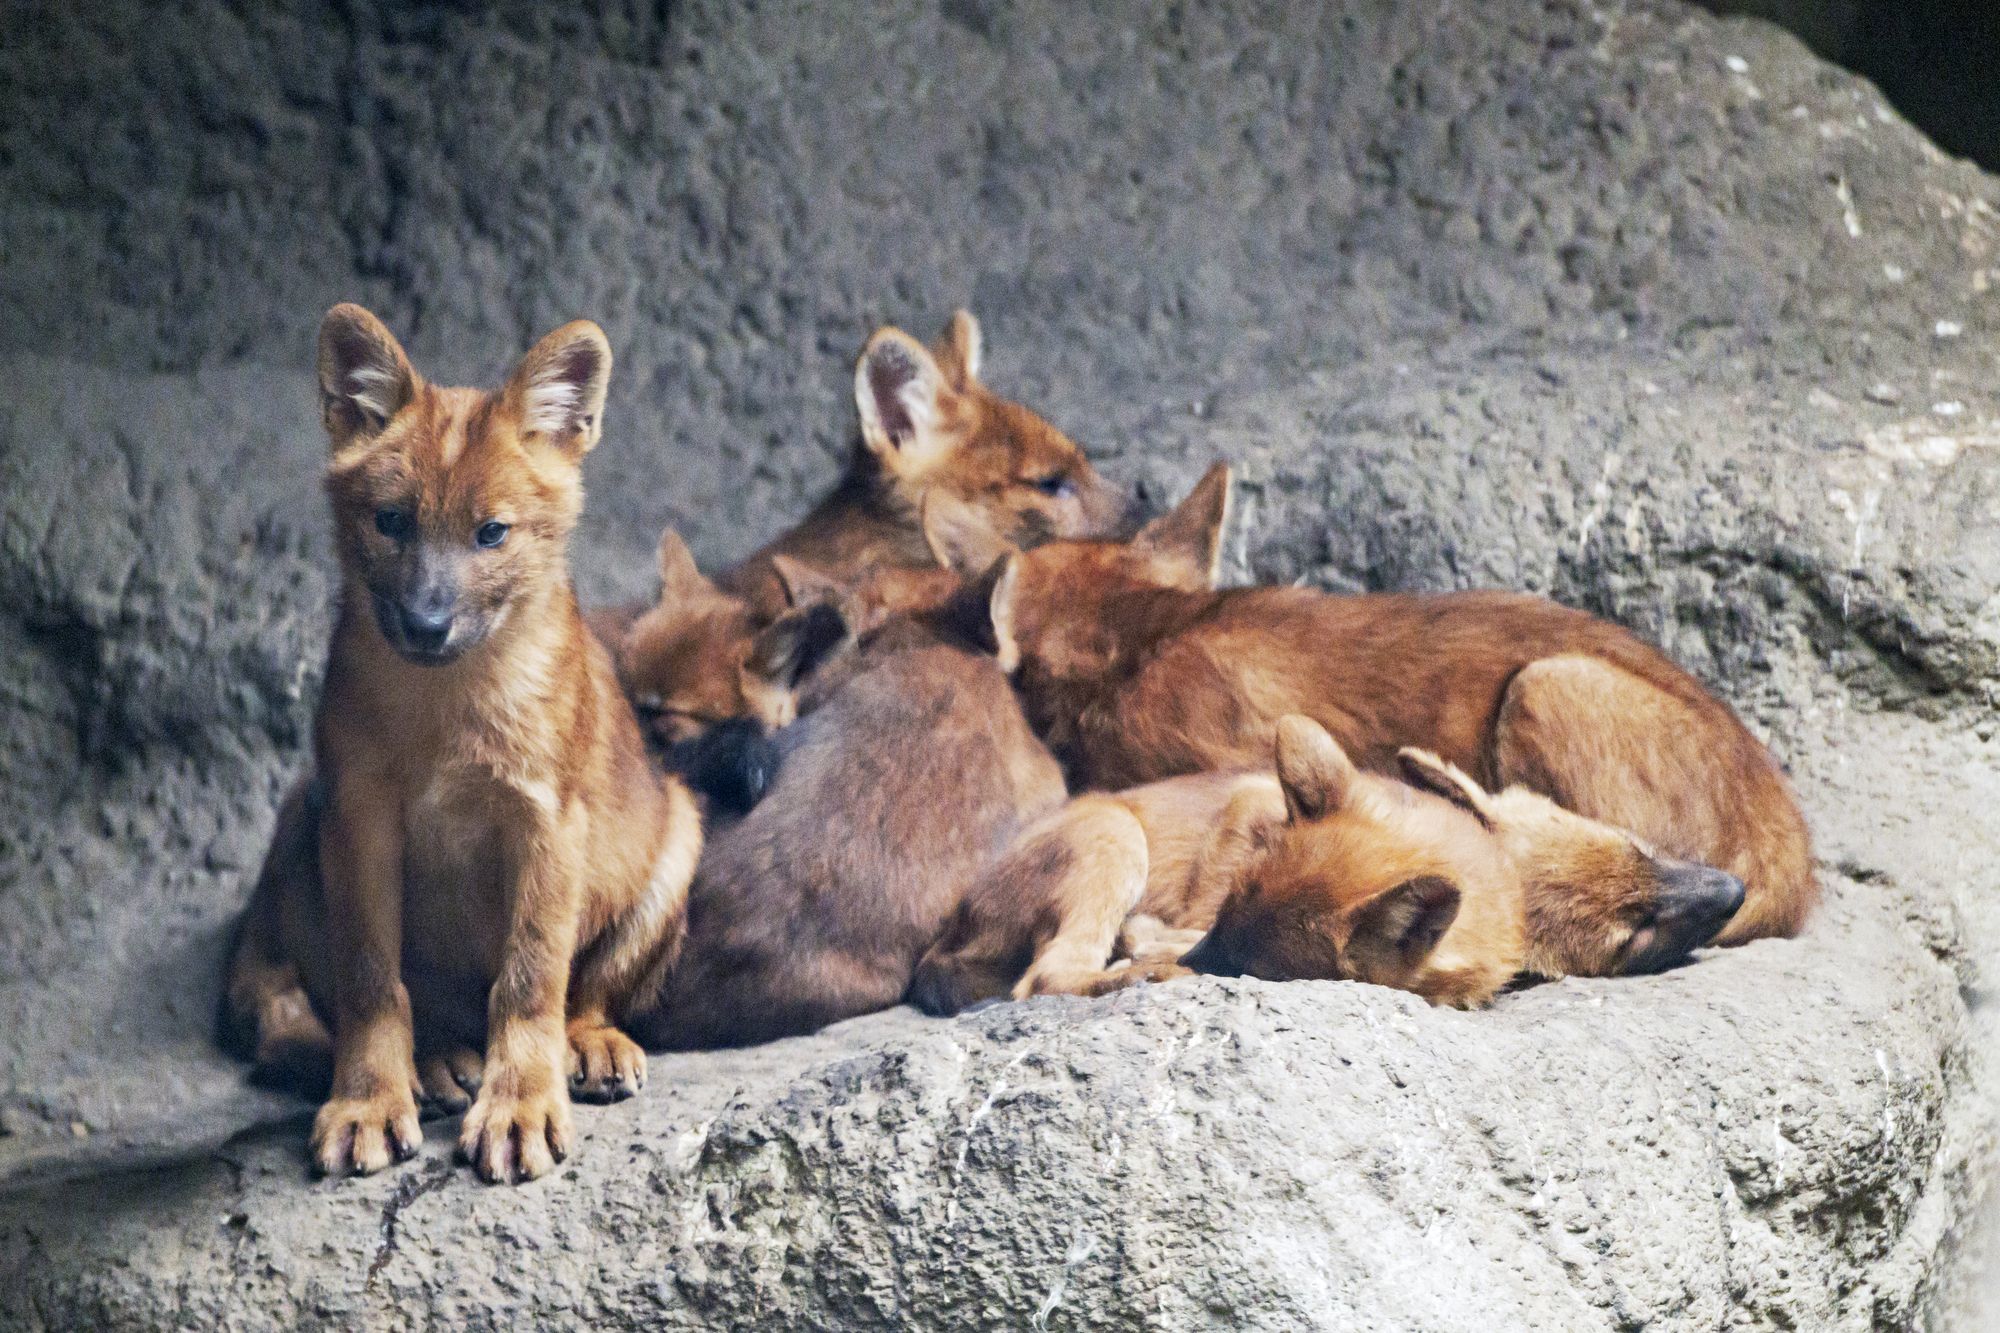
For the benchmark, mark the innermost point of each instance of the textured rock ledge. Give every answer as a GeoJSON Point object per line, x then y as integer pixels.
{"type": "Point", "coordinates": [1759, 1138]}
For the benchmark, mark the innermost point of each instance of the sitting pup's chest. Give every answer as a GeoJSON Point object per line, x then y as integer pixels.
{"type": "Point", "coordinates": [465, 836]}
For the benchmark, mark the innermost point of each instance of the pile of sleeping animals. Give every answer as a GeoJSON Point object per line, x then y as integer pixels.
{"type": "Point", "coordinates": [967, 732]}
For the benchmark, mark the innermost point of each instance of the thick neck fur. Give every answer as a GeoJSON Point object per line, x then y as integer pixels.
{"type": "Point", "coordinates": [864, 512]}
{"type": "Point", "coordinates": [1072, 653]}
{"type": "Point", "coordinates": [499, 699]}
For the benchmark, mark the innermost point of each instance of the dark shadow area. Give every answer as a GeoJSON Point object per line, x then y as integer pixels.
{"type": "Point", "coordinates": [1938, 61]}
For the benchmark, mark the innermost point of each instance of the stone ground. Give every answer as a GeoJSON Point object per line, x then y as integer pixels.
{"type": "Point", "coordinates": [1619, 302]}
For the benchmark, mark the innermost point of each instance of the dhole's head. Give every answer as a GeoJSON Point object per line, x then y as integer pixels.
{"type": "Point", "coordinates": [929, 426]}
{"type": "Point", "coordinates": [1067, 600]}
{"type": "Point", "coordinates": [1599, 901]}
{"type": "Point", "coordinates": [453, 507]}
{"type": "Point", "coordinates": [711, 684]}
{"type": "Point", "coordinates": [698, 658]}
{"type": "Point", "coordinates": [871, 596]}
{"type": "Point", "coordinates": [1361, 882]}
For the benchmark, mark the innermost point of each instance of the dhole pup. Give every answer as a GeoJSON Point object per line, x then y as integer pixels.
{"type": "Point", "coordinates": [1134, 669]}
{"type": "Point", "coordinates": [1319, 870]}
{"type": "Point", "coordinates": [712, 681]}
{"type": "Point", "coordinates": [484, 853]}
{"type": "Point", "coordinates": [930, 426]}
{"type": "Point", "coordinates": [909, 764]}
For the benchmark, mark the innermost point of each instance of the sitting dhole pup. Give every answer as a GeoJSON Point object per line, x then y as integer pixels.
{"type": "Point", "coordinates": [1318, 870]}
{"type": "Point", "coordinates": [1134, 669]}
{"type": "Point", "coordinates": [930, 426]}
{"type": "Point", "coordinates": [489, 835]}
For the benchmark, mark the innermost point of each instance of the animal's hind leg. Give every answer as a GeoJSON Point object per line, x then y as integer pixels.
{"type": "Point", "coordinates": [267, 1009]}
{"type": "Point", "coordinates": [1042, 919]}
{"type": "Point", "coordinates": [1682, 774]}
{"type": "Point", "coordinates": [1094, 891]}
{"type": "Point", "coordinates": [449, 1079]}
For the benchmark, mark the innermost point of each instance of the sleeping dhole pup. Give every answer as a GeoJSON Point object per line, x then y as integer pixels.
{"type": "Point", "coordinates": [1134, 669]}
{"type": "Point", "coordinates": [484, 854]}
{"type": "Point", "coordinates": [909, 766]}
{"type": "Point", "coordinates": [1573, 896]}
{"type": "Point", "coordinates": [712, 681]}
{"type": "Point", "coordinates": [1315, 869]}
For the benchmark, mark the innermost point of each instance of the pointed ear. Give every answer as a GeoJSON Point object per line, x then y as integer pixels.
{"type": "Point", "coordinates": [1000, 606]}
{"type": "Point", "coordinates": [805, 585]}
{"type": "Point", "coordinates": [788, 648]}
{"type": "Point", "coordinates": [901, 392]}
{"type": "Point", "coordinates": [983, 611]}
{"type": "Point", "coordinates": [1313, 770]}
{"type": "Point", "coordinates": [364, 377]}
{"type": "Point", "coordinates": [959, 536]}
{"type": "Point", "coordinates": [957, 350]}
{"type": "Point", "coordinates": [1188, 537]}
{"type": "Point", "coordinates": [680, 579]}
{"type": "Point", "coordinates": [1426, 772]}
{"type": "Point", "coordinates": [1406, 922]}
{"type": "Point", "coordinates": [558, 389]}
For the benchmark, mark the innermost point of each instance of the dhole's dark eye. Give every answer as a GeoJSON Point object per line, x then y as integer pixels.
{"type": "Point", "coordinates": [1058, 485]}
{"type": "Point", "coordinates": [392, 523]}
{"type": "Point", "coordinates": [490, 534]}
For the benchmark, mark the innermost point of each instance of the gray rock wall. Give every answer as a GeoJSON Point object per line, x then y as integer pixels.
{"type": "Point", "coordinates": [1618, 302]}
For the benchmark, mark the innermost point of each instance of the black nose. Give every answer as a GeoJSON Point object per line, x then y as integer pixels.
{"type": "Point", "coordinates": [1209, 956]}
{"type": "Point", "coordinates": [425, 631]}
{"type": "Point", "coordinates": [1730, 899]}
{"type": "Point", "coordinates": [732, 764]}
{"type": "Point", "coordinates": [1695, 903]}
{"type": "Point", "coordinates": [1704, 898]}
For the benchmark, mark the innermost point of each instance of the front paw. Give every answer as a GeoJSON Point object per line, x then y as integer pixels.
{"type": "Point", "coordinates": [513, 1138]}
{"type": "Point", "coordinates": [357, 1135]}
{"type": "Point", "coordinates": [1137, 974]}
{"type": "Point", "coordinates": [605, 1065]}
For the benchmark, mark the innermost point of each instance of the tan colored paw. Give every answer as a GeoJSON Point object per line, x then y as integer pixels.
{"type": "Point", "coordinates": [451, 1079]}
{"type": "Point", "coordinates": [1164, 945]}
{"type": "Point", "coordinates": [1137, 974]}
{"type": "Point", "coordinates": [509, 1138]}
{"type": "Point", "coordinates": [294, 1049]}
{"type": "Point", "coordinates": [357, 1135]}
{"type": "Point", "coordinates": [290, 1033]}
{"type": "Point", "coordinates": [605, 1065]}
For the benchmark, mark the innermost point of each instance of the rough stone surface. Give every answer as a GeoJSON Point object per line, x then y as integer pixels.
{"type": "Point", "coordinates": [1615, 301]}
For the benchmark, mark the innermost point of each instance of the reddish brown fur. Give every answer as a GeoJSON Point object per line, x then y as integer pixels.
{"type": "Point", "coordinates": [1317, 871]}
{"type": "Point", "coordinates": [1284, 891]}
{"type": "Point", "coordinates": [911, 760]}
{"type": "Point", "coordinates": [1134, 671]}
{"type": "Point", "coordinates": [493, 851]}
{"type": "Point", "coordinates": [929, 426]}
{"type": "Point", "coordinates": [692, 660]}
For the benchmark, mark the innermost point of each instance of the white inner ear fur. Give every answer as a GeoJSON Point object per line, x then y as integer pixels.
{"type": "Point", "coordinates": [552, 401]}
{"type": "Point", "coordinates": [376, 387]}
{"type": "Point", "coordinates": [1000, 613]}
{"type": "Point", "coordinates": [971, 344]}
{"type": "Point", "coordinates": [896, 388]}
